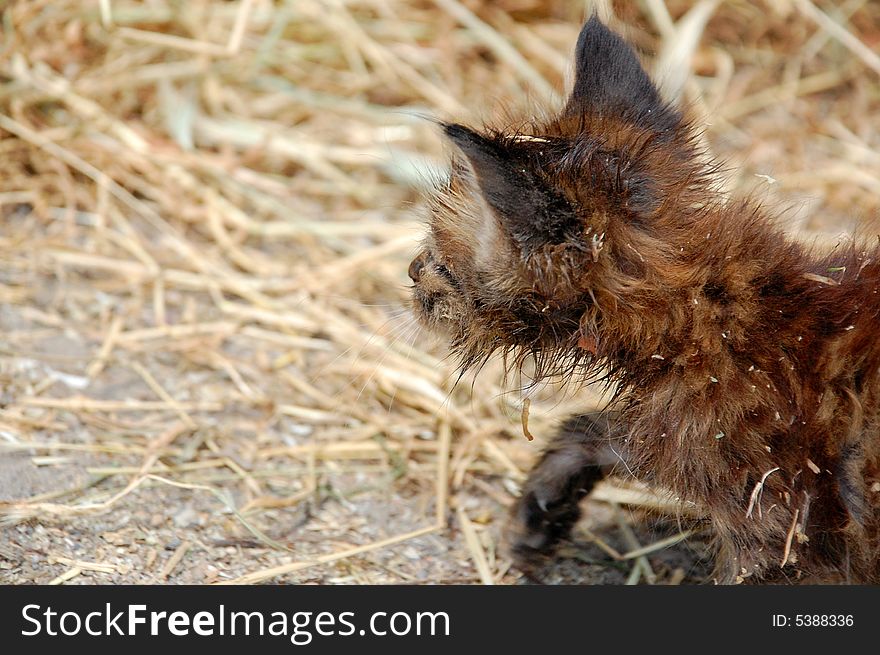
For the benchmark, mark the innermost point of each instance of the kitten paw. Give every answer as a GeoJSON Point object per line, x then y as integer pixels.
{"type": "Point", "coordinates": [542, 517]}
{"type": "Point", "coordinates": [567, 471]}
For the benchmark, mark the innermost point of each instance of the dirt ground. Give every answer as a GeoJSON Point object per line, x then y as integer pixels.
{"type": "Point", "coordinates": [208, 372]}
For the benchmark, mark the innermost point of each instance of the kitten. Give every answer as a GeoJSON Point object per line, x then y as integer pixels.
{"type": "Point", "coordinates": [746, 367]}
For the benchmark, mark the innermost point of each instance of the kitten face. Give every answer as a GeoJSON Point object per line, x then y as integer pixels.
{"type": "Point", "coordinates": [440, 297]}
{"type": "Point", "coordinates": [478, 285]}
{"type": "Point", "coordinates": [536, 231]}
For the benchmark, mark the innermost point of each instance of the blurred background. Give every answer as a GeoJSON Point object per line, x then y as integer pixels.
{"type": "Point", "coordinates": [208, 371]}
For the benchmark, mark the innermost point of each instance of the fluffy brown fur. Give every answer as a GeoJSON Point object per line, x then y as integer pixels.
{"type": "Point", "coordinates": [746, 367]}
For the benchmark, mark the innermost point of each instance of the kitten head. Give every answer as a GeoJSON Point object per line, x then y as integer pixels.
{"type": "Point", "coordinates": [537, 235]}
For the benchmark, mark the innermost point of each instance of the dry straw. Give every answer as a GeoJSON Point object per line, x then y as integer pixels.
{"type": "Point", "coordinates": [207, 368]}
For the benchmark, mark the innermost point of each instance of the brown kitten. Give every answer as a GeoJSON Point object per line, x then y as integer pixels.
{"type": "Point", "coordinates": [747, 368]}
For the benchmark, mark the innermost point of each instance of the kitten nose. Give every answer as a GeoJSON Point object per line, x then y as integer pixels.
{"type": "Point", "coordinates": [415, 267]}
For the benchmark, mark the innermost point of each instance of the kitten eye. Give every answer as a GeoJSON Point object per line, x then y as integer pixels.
{"type": "Point", "coordinates": [445, 272]}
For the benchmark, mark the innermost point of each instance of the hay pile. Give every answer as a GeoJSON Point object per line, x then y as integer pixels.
{"type": "Point", "coordinates": [207, 369]}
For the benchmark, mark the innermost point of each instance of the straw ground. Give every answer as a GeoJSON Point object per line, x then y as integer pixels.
{"type": "Point", "coordinates": [207, 369]}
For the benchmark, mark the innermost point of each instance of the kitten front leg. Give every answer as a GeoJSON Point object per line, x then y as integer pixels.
{"type": "Point", "coordinates": [572, 464]}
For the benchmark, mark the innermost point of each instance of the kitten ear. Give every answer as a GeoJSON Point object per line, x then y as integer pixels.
{"type": "Point", "coordinates": [610, 81]}
{"type": "Point", "coordinates": [530, 212]}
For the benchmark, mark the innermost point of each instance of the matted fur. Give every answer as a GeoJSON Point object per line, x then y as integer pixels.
{"type": "Point", "coordinates": [745, 366]}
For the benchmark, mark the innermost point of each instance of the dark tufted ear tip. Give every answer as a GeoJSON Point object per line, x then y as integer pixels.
{"type": "Point", "coordinates": [465, 138]}
{"type": "Point", "coordinates": [593, 26]}
{"type": "Point", "coordinates": [483, 154]}
{"type": "Point", "coordinates": [455, 131]}
{"type": "Point", "coordinates": [610, 80]}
